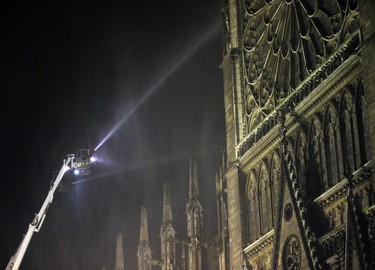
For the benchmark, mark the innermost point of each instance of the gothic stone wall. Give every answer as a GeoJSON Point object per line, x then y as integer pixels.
{"type": "Point", "coordinates": [312, 61]}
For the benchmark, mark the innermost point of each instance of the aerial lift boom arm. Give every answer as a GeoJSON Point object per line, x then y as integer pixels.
{"type": "Point", "coordinates": [71, 162]}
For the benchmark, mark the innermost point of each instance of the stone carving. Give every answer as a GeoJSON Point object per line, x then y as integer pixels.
{"type": "Point", "coordinates": [225, 14]}
{"type": "Point", "coordinates": [292, 253]}
{"type": "Point", "coordinates": [275, 181]}
{"type": "Point", "coordinates": [283, 43]}
{"type": "Point", "coordinates": [334, 247]}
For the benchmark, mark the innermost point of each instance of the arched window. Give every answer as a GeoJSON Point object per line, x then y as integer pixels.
{"type": "Point", "coordinates": [363, 130]}
{"type": "Point", "coordinates": [333, 146]}
{"type": "Point", "coordinates": [316, 174]}
{"type": "Point", "coordinates": [253, 207]}
{"type": "Point", "coordinates": [349, 132]}
{"type": "Point", "coordinates": [264, 198]}
{"type": "Point", "coordinates": [275, 168]}
{"type": "Point", "coordinates": [301, 161]}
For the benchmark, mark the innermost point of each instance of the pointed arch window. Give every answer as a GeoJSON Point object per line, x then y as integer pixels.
{"type": "Point", "coordinates": [253, 207]}
{"type": "Point", "coordinates": [363, 131]}
{"type": "Point", "coordinates": [264, 198]}
{"type": "Point", "coordinates": [316, 174]}
{"type": "Point", "coordinates": [301, 161]}
{"type": "Point", "coordinates": [333, 146]}
{"type": "Point", "coordinates": [349, 132]}
{"type": "Point", "coordinates": [197, 220]}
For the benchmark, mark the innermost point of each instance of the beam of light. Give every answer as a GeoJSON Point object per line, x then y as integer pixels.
{"type": "Point", "coordinates": [128, 168]}
{"type": "Point", "coordinates": [146, 165]}
{"type": "Point", "coordinates": [203, 39]}
{"type": "Point", "coordinates": [125, 169]}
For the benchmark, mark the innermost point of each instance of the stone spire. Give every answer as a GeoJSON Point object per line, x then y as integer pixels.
{"type": "Point", "coordinates": [119, 253]}
{"type": "Point", "coordinates": [167, 233]}
{"type": "Point", "coordinates": [167, 204]}
{"type": "Point", "coordinates": [144, 226]}
{"type": "Point", "coordinates": [194, 218]}
{"type": "Point", "coordinates": [144, 250]}
{"type": "Point", "coordinates": [193, 179]}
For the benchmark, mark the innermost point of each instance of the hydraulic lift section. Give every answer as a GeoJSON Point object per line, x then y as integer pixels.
{"type": "Point", "coordinates": [81, 164]}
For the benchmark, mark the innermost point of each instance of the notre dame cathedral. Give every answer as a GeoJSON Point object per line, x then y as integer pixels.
{"type": "Point", "coordinates": [295, 189]}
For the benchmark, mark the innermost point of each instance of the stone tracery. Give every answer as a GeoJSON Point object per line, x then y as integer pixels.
{"type": "Point", "coordinates": [285, 41]}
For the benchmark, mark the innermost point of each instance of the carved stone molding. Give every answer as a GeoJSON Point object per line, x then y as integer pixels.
{"type": "Point", "coordinates": [259, 247]}
{"type": "Point", "coordinates": [337, 193]}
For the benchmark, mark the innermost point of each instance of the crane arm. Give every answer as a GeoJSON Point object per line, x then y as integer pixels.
{"type": "Point", "coordinates": [37, 222]}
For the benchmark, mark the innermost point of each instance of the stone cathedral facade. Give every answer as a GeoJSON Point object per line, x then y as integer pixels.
{"type": "Point", "coordinates": [296, 190]}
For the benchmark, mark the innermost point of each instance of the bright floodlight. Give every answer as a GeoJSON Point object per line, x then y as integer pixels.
{"type": "Point", "coordinates": [76, 172]}
{"type": "Point", "coordinates": [92, 159]}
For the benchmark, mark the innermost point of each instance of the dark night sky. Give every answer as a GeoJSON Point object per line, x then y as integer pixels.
{"type": "Point", "coordinates": [71, 70]}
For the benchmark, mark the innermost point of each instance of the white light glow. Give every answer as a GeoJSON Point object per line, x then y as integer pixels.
{"type": "Point", "coordinates": [192, 49]}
